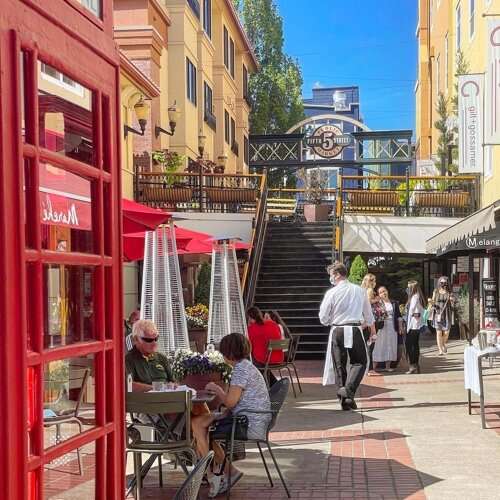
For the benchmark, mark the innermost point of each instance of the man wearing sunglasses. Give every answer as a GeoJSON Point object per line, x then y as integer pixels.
{"type": "Point", "coordinates": [143, 362]}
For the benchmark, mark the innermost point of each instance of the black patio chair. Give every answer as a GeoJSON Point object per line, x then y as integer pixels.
{"type": "Point", "coordinates": [191, 486]}
{"type": "Point", "coordinates": [277, 396]}
{"type": "Point", "coordinates": [64, 411]}
{"type": "Point", "coordinates": [154, 407]}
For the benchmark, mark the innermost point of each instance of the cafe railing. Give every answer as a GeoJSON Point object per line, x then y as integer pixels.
{"type": "Point", "coordinates": [194, 192]}
{"type": "Point", "coordinates": [440, 196]}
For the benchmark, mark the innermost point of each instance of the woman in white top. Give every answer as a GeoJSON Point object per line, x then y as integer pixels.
{"type": "Point", "coordinates": [415, 310]}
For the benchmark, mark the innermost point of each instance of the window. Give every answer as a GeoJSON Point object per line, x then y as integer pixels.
{"type": "Point", "coordinates": [245, 84]}
{"type": "Point", "coordinates": [207, 17]}
{"type": "Point", "coordinates": [458, 22]}
{"type": "Point", "coordinates": [191, 81]}
{"type": "Point", "coordinates": [227, 131]}
{"type": "Point", "coordinates": [51, 74]}
{"type": "Point", "coordinates": [93, 5]}
{"type": "Point", "coordinates": [231, 57]}
{"type": "Point", "coordinates": [472, 17]}
{"type": "Point", "coordinates": [208, 106]}
{"type": "Point", "coordinates": [233, 132]}
{"type": "Point", "coordinates": [226, 48]}
{"type": "Point", "coordinates": [195, 7]}
{"type": "Point", "coordinates": [446, 64]}
{"type": "Point", "coordinates": [246, 150]}
{"type": "Point", "coordinates": [438, 76]}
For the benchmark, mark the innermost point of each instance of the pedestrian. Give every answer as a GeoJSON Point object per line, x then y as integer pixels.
{"type": "Point", "coordinates": [369, 283]}
{"type": "Point", "coordinates": [415, 310]}
{"type": "Point", "coordinates": [442, 313]}
{"type": "Point", "coordinates": [346, 309]}
{"type": "Point", "coordinates": [386, 345]}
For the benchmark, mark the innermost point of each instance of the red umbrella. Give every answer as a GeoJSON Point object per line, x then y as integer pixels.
{"type": "Point", "coordinates": [205, 246]}
{"type": "Point", "coordinates": [138, 217]}
{"type": "Point", "coordinates": [133, 243]}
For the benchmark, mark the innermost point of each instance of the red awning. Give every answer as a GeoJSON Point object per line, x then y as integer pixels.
{"type": "Point", "coordinates": [138, 217]}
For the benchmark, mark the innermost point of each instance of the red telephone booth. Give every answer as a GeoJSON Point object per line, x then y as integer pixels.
{"type": "Point", "coordinates": [61, 351]}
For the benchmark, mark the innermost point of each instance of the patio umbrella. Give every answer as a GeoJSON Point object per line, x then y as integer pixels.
{"type": "Point", "coordinates": [133, 243]}
{"type": "Point", "coordinates": [138, 217]}
{"type": "Point", "coordinates": [205, 246]}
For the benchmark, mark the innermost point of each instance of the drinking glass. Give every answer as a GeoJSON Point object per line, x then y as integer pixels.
{"type": "Point", "coordinates": [157, 385]}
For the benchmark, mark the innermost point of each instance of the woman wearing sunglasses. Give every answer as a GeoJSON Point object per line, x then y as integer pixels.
{"type": "Point", "coordinates": [443, 305]}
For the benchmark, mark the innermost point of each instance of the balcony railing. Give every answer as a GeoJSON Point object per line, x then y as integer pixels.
{"type": "Point", "coordinates": [455, 196]}
{"type": "Point", "coordinates": [194, 192]}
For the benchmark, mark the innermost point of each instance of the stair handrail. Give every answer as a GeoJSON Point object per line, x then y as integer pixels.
{"type": "Point", "coordinates": [252, 266]}
{"type": "Point", "coordinates": [338, 224]}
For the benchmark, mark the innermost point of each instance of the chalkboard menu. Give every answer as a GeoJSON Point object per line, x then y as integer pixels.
{"type": "Point", "coordinates": [490, 298]}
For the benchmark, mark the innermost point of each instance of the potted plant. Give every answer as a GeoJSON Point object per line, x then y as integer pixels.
{"type": "Point", "coordinates": [196, 370]}
{"type": "Point", "coordinates": [315, 184]}
{"type": "Point", "coordinates": [197, 322]}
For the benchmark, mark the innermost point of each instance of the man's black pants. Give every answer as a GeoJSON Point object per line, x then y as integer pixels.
{"type": "Point", "coordinates": [357, 358]}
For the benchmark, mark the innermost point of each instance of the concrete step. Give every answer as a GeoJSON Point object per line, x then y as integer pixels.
{"type": "Point", "coordinates": [282, 305]}
{"type": "Point", "coordinates": [283, 281]}
{"type": "Point", "coordinates": [279, 288]}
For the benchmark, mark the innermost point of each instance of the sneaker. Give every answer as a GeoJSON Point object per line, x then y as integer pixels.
{"type": "Point", "coordinates": [216, 484]}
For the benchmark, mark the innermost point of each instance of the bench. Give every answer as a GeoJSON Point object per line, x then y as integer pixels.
{"type": "Point", "coordinates": [282, 207]}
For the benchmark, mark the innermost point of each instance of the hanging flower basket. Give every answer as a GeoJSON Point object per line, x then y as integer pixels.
{"type": "Point", "coordinates": [370, 199]}
{"type": "Point", "coordinates": [453, 199]}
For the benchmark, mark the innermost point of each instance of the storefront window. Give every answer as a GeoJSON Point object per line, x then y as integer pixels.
{"type": "Point", "coordinates": [68, 304]}
{"type": "Point", "coordinates": [65, 210]}
{"type": "Point", "coordinates": [71, 477]}
{"type": "Point", "coordinates": [68, 390]}
{"type": "Point", "coordinates": [65, 115]}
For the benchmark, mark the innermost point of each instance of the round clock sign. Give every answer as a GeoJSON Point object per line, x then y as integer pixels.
{"type": "Point", "coordinates": [328, 141]}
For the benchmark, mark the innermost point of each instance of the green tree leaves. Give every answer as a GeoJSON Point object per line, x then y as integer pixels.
{"type": "Point", "coordinates": [358, 270]}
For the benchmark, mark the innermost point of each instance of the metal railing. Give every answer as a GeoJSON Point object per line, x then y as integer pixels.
{"type": "Point", "coordinates": [198, 192]}
{"type": "Point", "coordinates": [252, 265]}
{"type": "Point", "coordinates": [440, 196]}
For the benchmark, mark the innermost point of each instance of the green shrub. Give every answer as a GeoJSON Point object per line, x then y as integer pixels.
{"type": "Point", "coordinates": [202, 290]}
{"type": "Point", "coordinates": [358, 270]}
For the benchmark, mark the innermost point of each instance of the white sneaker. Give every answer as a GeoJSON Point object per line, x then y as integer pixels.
{"type": "Point", "coordinates": [216, 485]}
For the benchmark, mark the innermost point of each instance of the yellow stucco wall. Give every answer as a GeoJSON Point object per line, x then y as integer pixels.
{"type": "Point", "coordinates": [441, 17]}
{"type": "Point", "coordinates": [187, 39]}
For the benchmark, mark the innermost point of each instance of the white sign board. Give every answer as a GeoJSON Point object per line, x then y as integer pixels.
{"type": "Point", "coordinates": [470, 123]}
{"type": "Point", "coordinates": [492, 85]}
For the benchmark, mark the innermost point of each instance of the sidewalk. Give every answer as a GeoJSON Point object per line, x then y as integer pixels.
{"type": "Point", "coordinates": [411, 438]}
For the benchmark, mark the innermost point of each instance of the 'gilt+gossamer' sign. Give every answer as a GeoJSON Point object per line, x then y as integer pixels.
{"type": "Point", "coordinates": [492, 91]}
{"type": "Point", "coordinates": [470, 125]}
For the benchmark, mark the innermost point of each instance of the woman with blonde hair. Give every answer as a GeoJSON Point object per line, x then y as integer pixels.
{"type": "Point", "coordinates": [442, 313]}
{"type": "Point", "coordinates": [369, 283]}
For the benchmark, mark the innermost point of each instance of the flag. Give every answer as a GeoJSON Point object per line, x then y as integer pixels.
{"type": "Point", "coordinates": [470, 123]}
{"type": "Point", "coordinates": [492, 85]}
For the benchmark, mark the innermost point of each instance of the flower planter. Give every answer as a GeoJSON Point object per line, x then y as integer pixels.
{"type": "Point", "coordinates": [200, 381]}
{"type": "Point", "coordinates": [316, 213]}
{"type": "Point", "coordinates": [230, 195]}
{"type": "Point", "coordinates": [371, 199]}
{"type": "Point", "coordinates": [167, 194]}
{"type": "Point", "coordinates": [199, 337]}
{"type": "Point", "coordinates": [457, 199]}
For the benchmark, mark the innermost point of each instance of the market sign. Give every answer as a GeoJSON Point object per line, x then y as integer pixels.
{"type": "Point", "coordinates": [490, 299]}
{"type": "Point", "coordinates": [328, 141]}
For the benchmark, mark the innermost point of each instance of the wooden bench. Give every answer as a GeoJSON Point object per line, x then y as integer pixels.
{"type": "Point", "coordinates": [282, 207]}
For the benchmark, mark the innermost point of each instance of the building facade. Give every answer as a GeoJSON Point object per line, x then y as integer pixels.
{"type": "Point", "coordinates": [210, 59]}
{"type": "Point", "coordinates": [445, 29]}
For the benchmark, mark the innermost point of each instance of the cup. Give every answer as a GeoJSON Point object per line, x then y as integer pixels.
{"type": "Point", "coordinates": [157, 385]}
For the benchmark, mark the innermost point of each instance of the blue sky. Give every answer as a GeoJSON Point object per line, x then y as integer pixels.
{"type": "Point", "coordinates": [368, 43]}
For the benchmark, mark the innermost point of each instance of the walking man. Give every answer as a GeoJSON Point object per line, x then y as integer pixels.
{"type": "Point", "coordinates": [346, 309]}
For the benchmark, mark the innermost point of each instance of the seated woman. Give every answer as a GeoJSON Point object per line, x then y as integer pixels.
{"type": "Point", "coordinates": [246, 390]}
{"type": "Point", "coordinates": [260, 332]}
{"type": "Point", "coordinates": [275, 316]}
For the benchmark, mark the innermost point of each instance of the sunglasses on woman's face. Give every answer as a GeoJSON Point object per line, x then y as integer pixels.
{"type": "Point", "coordinates": [149, 340]}
{"type": "Point", "coordinates": [444, 283]}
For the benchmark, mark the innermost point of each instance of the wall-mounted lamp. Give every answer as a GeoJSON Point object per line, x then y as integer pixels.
{"type": "Point", "coordinates": [202, 140]}
{"type": "Point", "coordinates": [141, 110]}
{"type": "Point", "coordinates": [174, 113]}
{"type": "Point", "coordinates": [222, 160]}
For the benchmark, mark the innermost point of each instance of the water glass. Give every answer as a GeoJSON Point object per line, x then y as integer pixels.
{"type": "Point", "coordinates": [157, 385]}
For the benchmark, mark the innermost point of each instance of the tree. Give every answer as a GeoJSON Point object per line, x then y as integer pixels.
{"type": "Point", "coordinates": [358, 270]}
{"type": "Point", "coordinates": [446, 135]}
{"type": "Point", "coordinates": [202, 290]}
{"type": "Point", "coordinates": [276, 89]}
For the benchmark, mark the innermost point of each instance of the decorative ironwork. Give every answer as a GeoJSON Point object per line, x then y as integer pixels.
{"type": "Point", "coordinates": [383, 147]}
{"type": "Point", "coordinates": [275, 150]}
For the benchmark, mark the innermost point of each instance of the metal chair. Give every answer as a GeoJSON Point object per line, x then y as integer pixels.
{"type": "Point", "coordinates": [191, 486]}
{"type": "Point", "coordinates": [277, 396]}
{"type": "Point", "coordinates": [155, 407]}
{"type": "Point", "coordinates": [285, 345]}
{"type": "Point", "coordinates": [67, 415]}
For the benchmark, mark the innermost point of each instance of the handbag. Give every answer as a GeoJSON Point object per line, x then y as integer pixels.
{"type": "Point", "coordinates": [379, 314]}
{"type": "Point", "coordinates": [222, 428]}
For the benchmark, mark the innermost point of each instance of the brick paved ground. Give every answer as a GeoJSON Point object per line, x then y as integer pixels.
{"type": "Point", "coordinates": [411, 438]}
